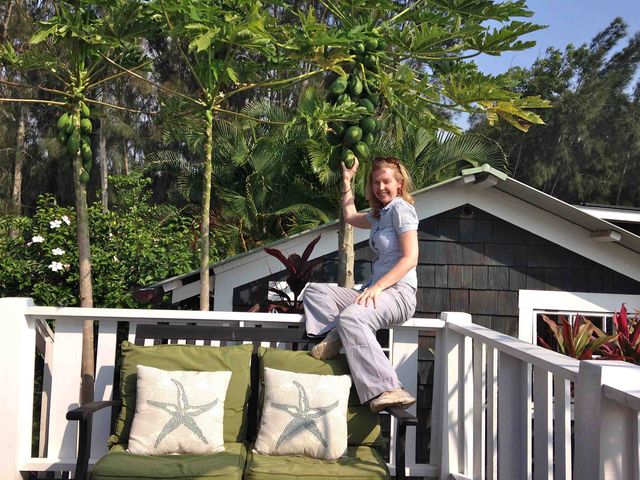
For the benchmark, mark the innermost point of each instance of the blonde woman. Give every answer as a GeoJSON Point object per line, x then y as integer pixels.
{"type": "Point", "coordinates": [350, 317]}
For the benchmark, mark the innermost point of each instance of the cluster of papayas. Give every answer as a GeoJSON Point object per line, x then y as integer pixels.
{"type": "Point", "coordinates": [73, 133]}
{"type": "Point", "coordinates": [351, 140]}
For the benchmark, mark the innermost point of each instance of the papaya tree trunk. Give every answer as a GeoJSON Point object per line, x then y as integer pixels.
{"type": "Point", "coordinates": [346, 255]}
{"type": "Point", "coordinates": [16, 197]}
{"type": "Point", "coordinates": [84, 258]}
{"type": "Point", "coordinates": [104, 168]}
{"type": "Point", "coordinates": [204, 220]}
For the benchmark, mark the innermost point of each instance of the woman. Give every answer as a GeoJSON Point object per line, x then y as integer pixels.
{"type": "Point", "coordinates": [352, 317]}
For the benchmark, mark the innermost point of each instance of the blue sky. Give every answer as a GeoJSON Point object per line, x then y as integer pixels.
{"type": "Point", "coordinates": [569, 21]}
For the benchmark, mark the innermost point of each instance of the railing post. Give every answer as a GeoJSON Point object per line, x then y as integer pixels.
{"type": "Point", "coordinates": [16, 378]}
{"type": "Point", "coordinates": [604, 448]}
{"type": "Point", "coordinates": [454, 365]}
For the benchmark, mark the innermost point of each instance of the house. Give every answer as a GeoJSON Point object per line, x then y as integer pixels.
{"type": "Point", "coordinates": [483, 237]}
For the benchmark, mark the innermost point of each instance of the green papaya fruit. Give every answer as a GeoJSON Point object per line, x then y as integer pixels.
{"type": "Point", "coordinates": [371, 62]}
{"type": "Point", "coordinates": [368, 138]}
{"type": "Point", "coordinates": [342, 98]}
{"type": "Point", "coordinates": [374, 98]}
{"type": "Point", "coordinates": [85, 125]}
{"type": "Point", "coordinates": [358, 48]}
{"type": "Point", "coordinates": [84, 110]}
{"type": "Point", "coordinates": [382, 45]}
{"type": "Point", "coordinates": [62, 137]}
{"type": "Point", "coordinates": [63, 121]}
{"type": "Point", "coordinates": [368, 124]}
{"type": "Point", "coordinates": [87, 164]}
{"type": "Point", "coordinates": [355, 85]}
{"type": "Point", "coordinates": [338, 86]}
{"type": "Point", "coordinates": [352, 136]}
{"type": "Point", "coordinates": [361, 150]}
{"type": "Point", "coordinates": [84, 177]}
{"type": "Point", "coordinates": [371, 45]}
{"type": "Point", "coordinates": [363, 102]}
{"type": "Point", "coordinates": [73, 143]}
{"type": "Point", "coordinates": [85, 150]}
{"type": "Point", "coordinates": [69, 127]}
{"type": "Point", "coordinates": [348, 157]}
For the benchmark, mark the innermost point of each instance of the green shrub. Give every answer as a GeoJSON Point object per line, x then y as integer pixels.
{"type": "Point", "coordinates": [134, 244]}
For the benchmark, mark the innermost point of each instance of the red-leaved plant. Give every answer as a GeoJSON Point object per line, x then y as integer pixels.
{"type": "Point", "coordinates": [580, 340]}
{"type": "Point", "coordinates": [299, 269]}
{"type": "Point", "coordinates": [627, 343]}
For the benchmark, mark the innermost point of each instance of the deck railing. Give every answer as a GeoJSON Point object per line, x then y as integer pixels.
{"type": "Point", "coordinates": [502, 408]}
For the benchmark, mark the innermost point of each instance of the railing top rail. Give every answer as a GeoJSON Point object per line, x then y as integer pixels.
{"type": "Point", "coordinates": [628, 398]}
{"type": "Point", "coordinates": [554, 362]}
{"type": "Point", "coordinates": [149, 315]}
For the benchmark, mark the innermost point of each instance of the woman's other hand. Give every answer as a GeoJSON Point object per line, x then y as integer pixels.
{"type": "Point", "coordinates": [369, 296]}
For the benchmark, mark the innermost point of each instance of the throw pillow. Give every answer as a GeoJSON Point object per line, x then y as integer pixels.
{"type": "Point", "coordinates": [304, 414]}
{"type": "Point", "coordinates": [178, 412]}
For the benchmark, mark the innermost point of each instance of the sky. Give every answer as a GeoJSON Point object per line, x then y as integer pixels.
{"type": "Point", "coordinates": [568, 21]}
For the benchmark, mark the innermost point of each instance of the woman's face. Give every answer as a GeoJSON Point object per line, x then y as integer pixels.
{"type": "Point", "coordinates": [384, 185]}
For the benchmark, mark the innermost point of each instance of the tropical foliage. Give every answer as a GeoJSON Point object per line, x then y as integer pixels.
{"type": "Point", "coordinates": [583, 340]}
{"type": "Point", "coordinates": [588, 151]}
{"type": "Point", "coordinates": [134, 244]}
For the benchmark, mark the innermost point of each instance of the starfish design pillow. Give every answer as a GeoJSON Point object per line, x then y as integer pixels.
{"type": "Point", "coordinates": [304, 414]}
{"type": "Point", "coordinates": [178, 412]}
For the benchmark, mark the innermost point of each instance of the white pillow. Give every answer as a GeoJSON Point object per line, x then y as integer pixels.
{"type": "Point", "coordinates": [304, 414]}
{"type": "Point", "coordinates": [178, 412]}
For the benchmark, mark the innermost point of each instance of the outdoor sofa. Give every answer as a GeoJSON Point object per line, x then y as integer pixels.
{"type": "Point", "coordinates": [241, 410]}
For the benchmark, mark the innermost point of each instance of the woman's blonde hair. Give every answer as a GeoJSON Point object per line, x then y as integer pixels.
{"type": "Point", "coordinates": [402, 176]}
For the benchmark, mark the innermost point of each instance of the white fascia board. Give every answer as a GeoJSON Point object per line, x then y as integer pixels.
{"type": "Point", "coordinates": [557, 230]}
{"type": "Point", "coordinates": [612, 214]}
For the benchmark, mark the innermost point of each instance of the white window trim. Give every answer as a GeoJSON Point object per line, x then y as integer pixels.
{"type": "Point", "coordinates": [532, 302]}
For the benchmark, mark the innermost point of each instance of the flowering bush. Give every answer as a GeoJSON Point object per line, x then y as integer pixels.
{"type": "Point", "coordinates": [134, 244]}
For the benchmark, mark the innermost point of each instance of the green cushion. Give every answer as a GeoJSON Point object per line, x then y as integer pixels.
{"type": "Point", "coordinates": [363, 425]}
{"type": "Point", "coordinates": [360, 462]}
{"type": "Point", "coordinates": [236, 359]}
{"type": "Point", "coordinates": [120, 465]}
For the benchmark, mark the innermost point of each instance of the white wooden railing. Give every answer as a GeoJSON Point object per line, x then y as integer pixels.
{"type": "Point", "coordinates": [502, 408]}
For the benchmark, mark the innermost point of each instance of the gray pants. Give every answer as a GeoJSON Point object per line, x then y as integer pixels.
{"type": "Point", "coordinates": [327, 307]}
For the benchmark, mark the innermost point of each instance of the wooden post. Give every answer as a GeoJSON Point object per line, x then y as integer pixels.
{"type": "Point", "coordinates": [605, 446]}
{"type": "Point", "coordinates": [454, 365]}
{"type": "Point", "coordinates": [16, 378]}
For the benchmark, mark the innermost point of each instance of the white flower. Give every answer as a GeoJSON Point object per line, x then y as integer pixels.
{"type": "Point", "coordinates": [57, 251]}
{"type": "Point", "coordinates": [55, 266]}
{"type": "Point", "coordinates": [55, 224]}
{"type": "Point", "coordinates": [37, 239]}
{"type": "Point", "coordinates": [66, 220]}
{"type": "Point", "coordinates": [115, 259]}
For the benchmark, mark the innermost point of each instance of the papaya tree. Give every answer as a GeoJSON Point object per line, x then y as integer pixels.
{"type": "Point", "coordinates": [67, 58]}
{"type": "Point", "coordinates": [227, 50]}
{"type": "Point", "coordinates": [418, 55]}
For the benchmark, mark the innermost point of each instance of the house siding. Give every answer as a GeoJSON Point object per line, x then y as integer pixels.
{"type": "Point", "coordinates": [474, 262]}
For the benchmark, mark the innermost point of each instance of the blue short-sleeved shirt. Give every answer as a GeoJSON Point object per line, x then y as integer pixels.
{"type": "Point", "coordinates": [397, 217]}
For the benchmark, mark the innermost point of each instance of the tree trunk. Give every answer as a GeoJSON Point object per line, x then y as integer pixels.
{"type": "Point", "coordinates": [345, 255]}
{"type": "Point", "coordinates": [84, 258]}
{"type": "Point", "coordinates": [204, 219]}
{"type": "Point", "coordinates": [104, 168]}
{"type": "Point", "coordinates": [16, 197]}
{"type": "Point", "coordinates": [5, 23]}
{"type": "Point", "coordinates": [125, 158]}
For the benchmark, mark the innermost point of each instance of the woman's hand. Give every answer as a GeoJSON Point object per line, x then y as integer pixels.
{"type": "Point", "coordinates": [348, 173]}
{"type": "Point", "coordinates": [369, 295]}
